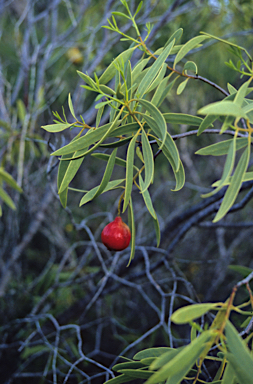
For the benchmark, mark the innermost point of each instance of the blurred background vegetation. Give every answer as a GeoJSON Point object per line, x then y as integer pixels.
{"type": "Point", "coordinates": [68, 306]}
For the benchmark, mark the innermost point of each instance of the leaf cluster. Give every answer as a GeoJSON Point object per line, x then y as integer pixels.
{"type": "Point", "coordinates": [174, 365]}
{"type": "Point", "coordinates": [132, 98]}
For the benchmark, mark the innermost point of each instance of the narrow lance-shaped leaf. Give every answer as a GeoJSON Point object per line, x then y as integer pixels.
{"type": "Point", "coordinates": [110, 71]}
{"type": "Point", "coordinates": [95, 137]}
{"type": "Point", "coordinates": [7, 199]}
{"type": "Point", "coordinates": [182, 86]}
{"type": "Point", "coordinates": [182, 118]}
{"type": "Point", "coordinates": [241, 93]}
{"type": "Point", "coordinates": [191, 312]}
{"type": "Point", "coordinates": [176, 35]}
{"type": "Point", "coordinates": [131, 224]}
{"type": "Point", "coordinates": [223, 108]}
{"type": "Point", "coordinates": [228, 168]}
{"type": "Point", "coordinates": [158, 78]}
{"type": "Point", "coordinates": [71, 108]}
{"type": "Point", "coordinates": [177, 368]}
{"type": "Point", "coordinates": [239, 355]}
{"type": "Point", "coordinates": [234, 186]}
{"type": "Point", "coordinates": [228, 42]}
{"type": "Point", "coordinates": [66, 172]}
{"type": "Point", "coordinates": [153, 70]}
{"type": "Point", "coordinates": [128, 365]}
{"type": "Point", "coordinates": [129, 171]}
{"type": "Point", "coordinates": [248, 176]}
{"type": "Point", "coordinates": [91, 194]}
{"type": "Point", "coordinates": [186, 48]}
{"type": "Point", "coordinates": [222, 148]}
{"type": "Point", "coordinates": [119, 379]}
{"type": "Point", "coordinates": [118, 161]}
{"type": "Point", "coordinates": [147, 198]}
{"type": "Point", "coordinates": [157, 117]}
{"type": "Point", "coordinates": [9, 180]}
{"type": "Point", "coordinates": [206, 123]}
{"type": "Point", "coordinates": [229, 375]}
{"type": "Point", "coordinates": [180, 177]}
{"type": "Point", "coordinates": [70, 172]}
{"type": "Point", "coordinates": [159, 93]}
{"type": "Point", "coordinates": [57, 127]}
{"type": "Point", "coordinates": [136, 373]}
{"type": "Point", "coordinates": [148, 161]}
{"type": "Point", "coordinates": [108, 172]}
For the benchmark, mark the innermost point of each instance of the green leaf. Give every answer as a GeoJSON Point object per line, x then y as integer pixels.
{"type": "Point", "coordinates": [117, 144]}
{"type": "Point", "coordinates": [148, 161]}
{"type": "Point", "coordinates": [180, 177]}
{"type": "Point", "coordinates": [118, 161]}
{"type": "Point", "coordinates": [191, 312]}
{"type": "Point", "coordinates": [147, 198]}
{"type": "Point", "coordinates": [138, 8]}
{"type": "Point", "coordinates": [125, 130]}
{"type": "Point", "coordinates": [93, 136]}
{"type": "Point", "coordinates": [107, 174]}
{"type": "Point", "coordinates": [151, 352]}
{"type": "Point", "coordinates": [244, 271]}
{"type": "Point", "coordinates": [157, 231]}
{"type": "Point", "coordinates": [176, 369]}
{"type": "Point", "coordinates": [171, 152]}
{"type": "Point", "coordinates": [106, 90]}
{"type": "Point", "coordinates": [111, 70]}
{"type": "Point", "coordinates": [227, 170]}
{"type": "Point", "coordinates": [159, 93]}
{"type": "Point", "coordinates": [158, 78]}
{"type": "Point", "coordinates": [93, 192]}
{"type": "Point", "coordinates": [182, 118]}
{"type": "Point", "coordinates": [190, 66]}
{"type": "Point", "coordinates": [5, 176]}
{"type": "Point", "coordinates": [21, 110]}
{"type": "Point", "coordinates": [229, 43]}
{"type": "Point", "coordinates": [132, 229]}
{"type": "Point", "coordinates": [137, 373]}
{"type": "Point", "coordinates": [128, 365]}
{"type": "Point", "coordinates": [160, 361]}
{"type": "Point", "coordinates": [71, 108]}
{"type": "Point", "coordinates": [241, 93]}
{"type": "Point", "coordinates": [223, 108]}
{"type": "Point", "coordinates": [129, 171]}
{"type": "Point", "coordinates": [206, 123]}
{"type": "Point", "coordinates": [118, 380]}
{"type": "Point", "coordinates": [176, 35]}
{"type": "Point", "coordinates": [158, 119]}
{"type": "Point", "coordinates": [7, 199]}
{"type": "Point", "coordinates": [191, 44]}
{"type": "Point", "coordinates": [222, 147]}
{"type": "Point", "coordinates": [182, 86]}
{"type": "Point", "coordinates": [102, 104]}
{"type": "Point", "coordinates": [88, 80]}
{"type": "Point", "coordinates": [138, 69]}
{"type": "Point", "coordinates": [70, 172]}
{"type": "Point", "coordinates": [129, 81]}
{"type": "Point", "coordinates": [234, 186]}
{"type": "Point", "coordinates": [231, 89]}
{"type": "Point", "coordinates": [58, 127]}
{"type": "Point", "coordinates": [229, 375]}
{"type": "Point", "coordinates": [120, 14]}
{"type": "Point", "coordinates": [239, 355]}
{"type": "Point", "coordinates": [64, 197]}
{"type": "Point", "coordinates": [153, 70]}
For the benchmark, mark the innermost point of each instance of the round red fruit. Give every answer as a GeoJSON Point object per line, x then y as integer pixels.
{"type": "Point", "coordinates": [116, 235]}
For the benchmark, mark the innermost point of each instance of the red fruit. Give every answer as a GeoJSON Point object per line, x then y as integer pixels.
{"type": "Point", "coordinates": [116, 235]}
